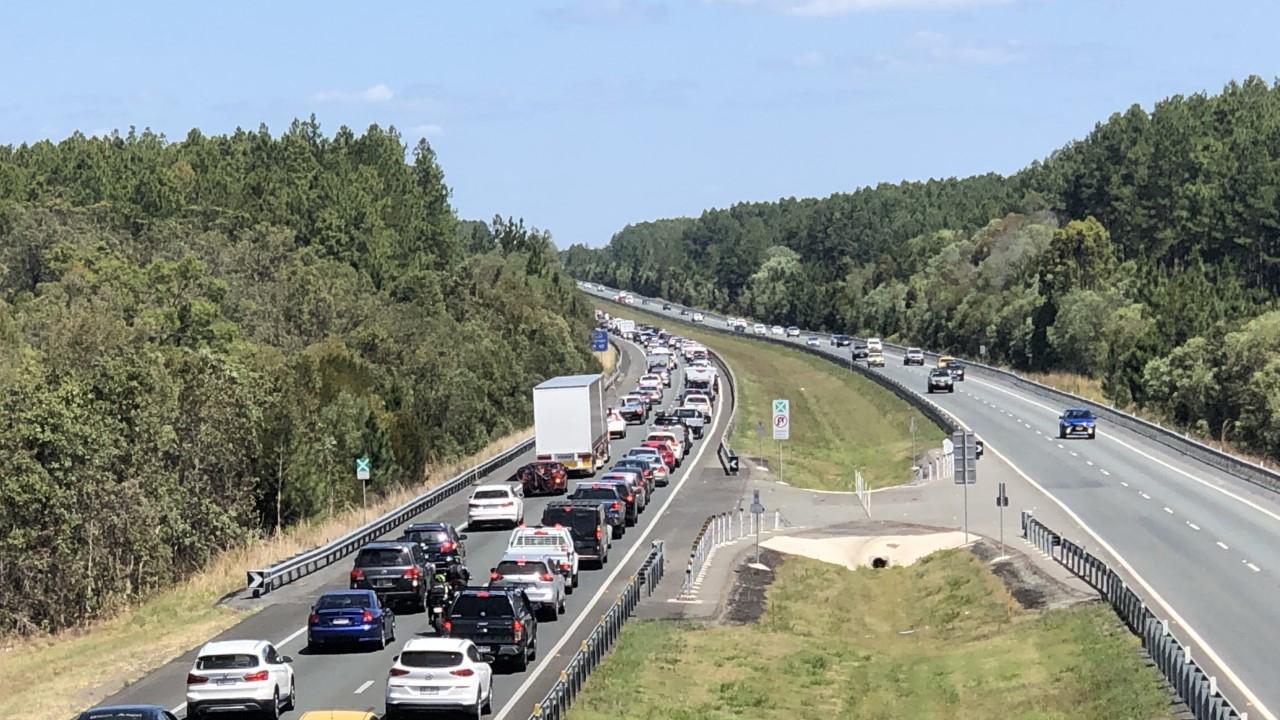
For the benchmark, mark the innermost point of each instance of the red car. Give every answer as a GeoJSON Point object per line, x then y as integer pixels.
{"type": "Point", "coordinates": [543, 478]}
{"type": "Point", "coordinates": [668, 457]}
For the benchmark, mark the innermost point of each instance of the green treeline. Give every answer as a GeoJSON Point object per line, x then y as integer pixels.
{"type": "Point", "coordinates": [199, 337]}
{"type": "Point", "coordinates": [1146, 255]}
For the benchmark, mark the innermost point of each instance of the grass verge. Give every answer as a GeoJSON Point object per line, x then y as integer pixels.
{"type": "Point", "coordinates": [839, 420]}
{"type": "Point", "coordinates": [53, 677]}
{"type": "Point", "coordinates": [939, 639]}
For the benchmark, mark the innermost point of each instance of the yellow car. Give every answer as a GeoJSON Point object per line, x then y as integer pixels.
{"type": "Point", "coordinates": [338, 715]}
{"type": "Point", "coordinates": [944, 360]}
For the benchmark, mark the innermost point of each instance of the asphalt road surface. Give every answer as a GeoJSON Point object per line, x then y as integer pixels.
{"type": "Point", "coordinates": [356, 679]}
{"type": "Point", "coordinates": [1201, 545]}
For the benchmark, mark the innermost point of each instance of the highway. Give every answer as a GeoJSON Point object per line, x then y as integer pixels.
{"type": "Point", "coordinates": [1200, 544]}
{"type": "Point", "coordinates": [356, 679]}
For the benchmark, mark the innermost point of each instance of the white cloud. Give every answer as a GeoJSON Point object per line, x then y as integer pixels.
{"type": "Point", "coordinates": [828, 8]}
{"type": "Point", "coordinates": [811, 59]}
{"type": "Point", "coordinates": [373, 94]}
{"type": "Point", "coordinates": [427, 130]}
{"type": "Point", "coordinates": [936, 48]}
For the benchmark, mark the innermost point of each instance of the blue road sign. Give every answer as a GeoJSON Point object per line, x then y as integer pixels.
{"type": "Point", "coordinates": [599, 340]}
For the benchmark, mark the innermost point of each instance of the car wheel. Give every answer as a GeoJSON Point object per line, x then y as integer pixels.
{"type": "Point", "coordinates": [393, 629]}
{"type": "Point", "coordinates": [273, 712]}
{"type": "Point", "coordinates": [618, 531]}
{"type": "Point", "coordinates": [560, 608]}
{"type": "Point", "coordinates": [521, 662]}
{"type": "Point", "coordinates": [488, 700]}
{"type": "Point", "coordinates": [382, 637]}
{"type": "Point", "coordinates": [575, 580]}
{"type": "Point", "coordinates": [292, 702]}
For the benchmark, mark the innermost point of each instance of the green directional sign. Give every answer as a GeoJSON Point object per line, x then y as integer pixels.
{"type": "Point", "coordinates": [363, 467]}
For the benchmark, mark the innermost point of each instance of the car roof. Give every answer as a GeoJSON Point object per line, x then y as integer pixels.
{"type": "Point", "coordinates": [494, 486]}
{"type": "Point", "coordinates": [333, 593]}
{"type": "Point", "coordinates": [388, 545]}
{"type": "Point", "coordinates": [1079, 410]}
{"type": "Point", "coordinates": [338, 715]}
{"type": "Point", "coordinates": [125, 708]}
{"type": "Point", "coordinates": [437, 644]}
{"type": "Point", "coordinates": [429, 526]}
{"type": "Point", "coordinates": [232, 647]}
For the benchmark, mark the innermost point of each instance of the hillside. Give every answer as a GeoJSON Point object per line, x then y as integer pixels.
{"type": "Point", "coordinates": [201, 336]}
{"type": "Point", "coordinates": [1144, 255]}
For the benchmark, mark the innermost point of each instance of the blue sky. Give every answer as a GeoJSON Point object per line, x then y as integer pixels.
{"type": "Point", "coordinates": [584, 115]}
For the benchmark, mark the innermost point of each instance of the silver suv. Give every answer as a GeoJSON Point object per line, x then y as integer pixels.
{"type": "Point", "coordinates": [914, 356]}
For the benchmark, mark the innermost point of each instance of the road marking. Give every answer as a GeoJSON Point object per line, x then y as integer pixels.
{"type": "Point", "coordinates": [1253, 567]}
{"type": "Point", "coordinates": [1089, 463]}
{"type": "Point", "coordinates": [1144, 495]}
{"type": "Point", "coordinates": [1039, 433]}
{"type": "Point", "coordinates": [1075, 454]}
{"type": "Point", "coordinates": [1124, 483]}
{"type": "Point", "coordinates": [1193, 526]}
{"type": "Point", "coordinates": [1029, 426]}
{"type": "Point", "coordinates": [604, 587]}
{"type": "Point", "coordinates": [1166, 509]}
{"type": "Point", "coordinates": [1104, 472]}
{"type": "Point", "coordinates": [1061, 447]}
{"type": "Point", "coordinates": [364, 687]}
{"type": "Point", "coordinates": [1223, 545]}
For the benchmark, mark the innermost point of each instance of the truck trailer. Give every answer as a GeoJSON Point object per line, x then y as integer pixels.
{"type": "Point", "coordinates": [570, 423]}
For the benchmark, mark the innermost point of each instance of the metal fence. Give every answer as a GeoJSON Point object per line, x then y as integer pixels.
{"type": "Point", "coordinates": [282, 573]}
{"type": "Point", "coordinates": [718, 530]}
{"type": "Point", "coordinates": [591, 653]}
{"type": "Point", "coordinates": [1198, 689]}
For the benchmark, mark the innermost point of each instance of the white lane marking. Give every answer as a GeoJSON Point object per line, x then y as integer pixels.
{"type": "Point", "coordinates": [1156, 597]}
{"type": "Point", "coordinates": [1166, 509]}
{"type": "Point", "coordinates": [1075, 454]}
{"type": "Point", "coordinates": [1028, 425]}
{"type": "Point", "coordinates": [1061, 446]}
{"type": "Point", "coordinates": [1144, 495]}
{"type": "Point", "coordinates": [1039, 433]}
{"type": "Point", "coordinates": [1223, 545]}
{"type": "Point", "coordinates": [364, 687]}
{"type": "Point", "coordinates": [1193, 526]}
{"type": "Point", "coordinates": [1253, 567]}
{"type": "Point", "coordinates": [1243, 500]}
{"type": "Point", "coordinates": [1124, 483]}
{"type": "Point", "coordinates": [1089, 463]}
{"type": "Point", "coordinates": [1104, 472]}
{"type": "Point", "coordinates": [604, 587]}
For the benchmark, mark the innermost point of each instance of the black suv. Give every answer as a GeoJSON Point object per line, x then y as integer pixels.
{"type": "Point", "coordinates": [440, 542]}
{"type": "Point", "coordinates": [397, 570]}
{"type": "Point", "coordinates": [613, 498]}
{"type": "Point", "coordinates": [587, 525]}
{"type": "Point", "coordinates": [499, 620]}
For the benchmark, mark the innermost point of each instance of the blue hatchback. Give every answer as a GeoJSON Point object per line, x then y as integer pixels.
{"type": "Point", "coordinates": [127, 712]}
{"type": "Point", "coordinates": [350, 616]}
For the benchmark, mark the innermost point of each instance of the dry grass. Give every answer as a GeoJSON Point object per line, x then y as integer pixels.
{"type": "Point", "coordinates": [53, 677]}
{"type": "Point", "coordinates": [1082, 385]}
{"type": "Point", "coordinates": [608, 359]}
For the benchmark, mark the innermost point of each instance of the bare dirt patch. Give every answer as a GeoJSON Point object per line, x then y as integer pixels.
{"type": "Point", "coordinates": [1033, 588]}
{"type": "Point", "coordinates": [748, 598]}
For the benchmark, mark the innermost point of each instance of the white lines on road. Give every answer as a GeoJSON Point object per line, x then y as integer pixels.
{"type": "Point", "coordinates": [1104, 472]}
{"type": "Point", "coordinates": [1223, 545]}
{"type": "Point", "coordinates": [1029, 426]}
{"type": "Point", "coordinates": [1089, 463]}
{"type": "Point", "coordinates": [1166, 509]}
{"type": "Point", "coordinates": [1253, 567]}
{"type": "Point", "coordinates": [1124, 483]}
{"type": "Point", "coordinates": [1193, 526]}
{"type": "Point", "coordinates": [1075, 454]}
{"type": "Point", "coordinates": [1061, 446]}
{"type": "Point", "coordinates": [364, 686]}
{"type": "Point", "coordinates": [1144, 495]}
{"type": "Point", "coordinates": [1039, 433]}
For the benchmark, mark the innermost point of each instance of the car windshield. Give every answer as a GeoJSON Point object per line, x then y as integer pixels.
{"type": "Point", "coordinates": [481, 605]}
{"type": "Point", "coordinates": [343, 600]}
{"type": "Point", "coordinates": [1078, 414]}
{"type": "Point", "coordinates": [430, 659]}
{"type": "Point", "coordinates": [231, 661]}
{"type": "Point", "coordinates": [494, 494]}
{"type": "Point", "coordinates": [382, 557]}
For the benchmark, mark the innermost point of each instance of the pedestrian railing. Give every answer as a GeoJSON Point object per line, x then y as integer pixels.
{"type": "Point", "coordinates": [1194, 686]}
{"type": "Point", "coordinates": [723, 529]}
{"type": "Point", "coordinates": [555, 704]}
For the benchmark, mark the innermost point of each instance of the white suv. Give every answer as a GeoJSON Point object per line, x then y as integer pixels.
{"type": "Point", "coordinates": [240, 676]}
{"type": "Point", "coordinates": [496, 503]}
{"type": "Point", "coordinates": [532, 572]}
{"type": "Point", "coordinates": [554, 542]}
{"type": "Point", "coordinates": [439, 673]}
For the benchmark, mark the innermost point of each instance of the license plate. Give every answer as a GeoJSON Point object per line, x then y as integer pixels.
{"type": "Point", "coordinates": [225, 681]}
{"type": "Point", "coordinates": [428, 690]}
{"type": "Point", "coordinates": [341, 621]}
{"type": "Point", "coordinates": [437, 609]}
{"type": "Point", "coordinates": [383, 583]}
{"type": "Point", "coordinates": [485, 648]}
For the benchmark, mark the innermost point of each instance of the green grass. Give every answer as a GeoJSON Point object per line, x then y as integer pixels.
{"type": "Point", "coordinates": [839, 420]}
{"type": "Point", "coordinates": [829, 647]}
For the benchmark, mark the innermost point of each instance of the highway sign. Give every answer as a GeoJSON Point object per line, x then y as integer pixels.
{"type": "Point", "coordinates": [948, 447]}
{"type": "Point", "coordinates": [781, 419]}
{"type": "Point", "coordinates": [599, 340]}
{"type": "Point", "coordinates": [363, 466]}
{"type": "Point", "coordinates": [255, 579]}
{"type": "Point", "coordinates": [966, 457]}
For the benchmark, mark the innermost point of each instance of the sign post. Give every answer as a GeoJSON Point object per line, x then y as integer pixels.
{"type": "Point", "coordinates": [781, 427]}
{"type": "Point", "coordinates": [363, 466]}
{"type": "Point", "coordinates": [757, 509]}
{"type": "Point", "coordinates": [1002, 502]}
{"type": "Point", "coordinates": [759, 438]}
{"type": "Point", "coordinates": [966, 468]}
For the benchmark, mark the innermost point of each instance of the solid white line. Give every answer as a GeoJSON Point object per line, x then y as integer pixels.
{"type": "Point", "coordinates": [604, 588]}
{"type": "Point", "coordinates": [1192, 525]}
{"type": "Point", "coordinates": [1223, 545]}
{"type": "Point", "coordinates": [364, 687]}
{"type": "Point", "coordinates": [1166, 509]}
{"type": "Point", "coordinates": [1038, 432]}
{"type": "Point", "coordinates": [1254, 568]}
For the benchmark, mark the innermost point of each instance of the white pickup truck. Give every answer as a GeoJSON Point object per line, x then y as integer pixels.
{"type": "Point", "coordinates": [553, 543]}
{"type": "Point", "coordinates": [699, 375]}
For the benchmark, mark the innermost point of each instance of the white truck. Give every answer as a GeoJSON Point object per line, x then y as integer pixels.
{"type": "Point", "coordinates": [571, 424]}
{"type": "Point", "coordinates": [627, 328]}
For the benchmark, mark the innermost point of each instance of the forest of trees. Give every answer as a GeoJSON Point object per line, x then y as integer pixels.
{"type": "Point", "coordinates": [1146, 255]}
{"type": "Point", "coordinates": [200, 336]}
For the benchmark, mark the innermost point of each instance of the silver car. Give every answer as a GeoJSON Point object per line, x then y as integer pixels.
{"type": "Point", "coordinates": [542, 584]}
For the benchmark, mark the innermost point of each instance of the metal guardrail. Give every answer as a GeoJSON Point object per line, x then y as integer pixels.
{"type": "Point", "coordinates": [282, 573]}
{"type": "Point", "coordinates": [1194, 686]}
{"type": "Point", "coordinates": [555, 704]}
{"type": "Point", "coordinates": [716, 531]}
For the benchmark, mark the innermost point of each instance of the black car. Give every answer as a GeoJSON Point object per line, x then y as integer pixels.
{"type": "Point", "coordinates": [860, 350]}
{"type": "Point", "coordinates": [587, 524]}
{"type": "Point", "coordinates": [841, 340]}
{"type": "Point", "coordinates": [499, 620]}
{"type": "Point", "coordinates": [684, 311]}
{"type": "Point", "coordinates": [613, 498]}
{"type": "Point", "coordinates": [440, 542]}
{"type": "Point", "coordinates": [127, 712]}
{"type": "Point", "coordinates": [956, 370]}
{"type": "Point", "coordinates": [397, 570]}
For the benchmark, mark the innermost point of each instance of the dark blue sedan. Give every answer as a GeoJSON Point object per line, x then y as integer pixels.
{"type": "Point", "coordinates": [127, 712]}
{"type": "Point", "coordinates": [350, 616]}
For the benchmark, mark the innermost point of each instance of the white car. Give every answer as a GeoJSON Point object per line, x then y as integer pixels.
{"type": "Point", "coordinates": [697, 317]}
{"type": "Point", "coordinates": [813, 341]}
{"type": "Point", "coordinates": [240, 676]}
{"type": "Point", "coordinates": [496, 503]}
{"type": "Point", "coordinates": [439, 673]}
{"type": "Point", "coordinates": [676, 444]}
{"type": "Point", "coordinates": [617, 426]}
{"type": "Point", "coordinates": [874, 345]}
{"type": "Point", "coordinates": [651, 381]}
{"type": "Point", "coordinates": [700, 402]}
{"type": "Point", "coordinates": [554, 542]}
{"type": "Point", "coordinates": [532, 572]}
{"type": "Point", "coordinates": [760, 329]}
{"type": "Point", "coordinates": [778, 330]}
{"type": "Point", "coordinates": [793, 331]}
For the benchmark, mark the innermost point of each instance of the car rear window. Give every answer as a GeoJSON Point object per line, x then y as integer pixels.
{"type": "Point", "coordinates": [113, 715]}
{"type": "Point", "coordinates": [521, 567]}
{"type": "Point", "coordinates": [490, 605]}
{"type": "Point", "coordinates": [430, 659]}
{"type": "Point", "coordinates": [382, 557]}
{"type": "Point", "coordinates": [581, 522]}
{"type": "Point", "coordinates": [237, 661]}
{"type": "Point", "coordinates": [346, 600]}
{"type": "Point", "coordinates": [608, 493]}
{"type": "Point", "coordinates": [495, 494]}
{"type": "Point", "coordinates": [427, 537]}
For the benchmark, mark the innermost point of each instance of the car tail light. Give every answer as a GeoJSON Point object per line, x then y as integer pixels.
{"type": "Point", "coordinates": [617, 506]}
{"type": "Point", "coordinates": [257, 676]}
{"type": "Point", "coordinates": [546, 577]}
{"type": "Point", "coordinates": [447, 546]}
{"type": "Point", "coordinates": [463, 672]}
{"type": "Point", "coordinates": [367, 617]}
{"type": "Point", "coordinates": [565, 565]}
{"type": "Point", "coordinates": [194, 679]}
{"type": "Point", "coordinates": [412, 574]}
{"type": "Point", "coordinates": [314, 619]}
{"type": "Point", "coordinates": [517, 629]}
{"type": "Point", "coordinates": [599, 533]}
{"type": "Point", "coordinates": [448, 626]}
{"type": "Point", "coordinates": [356, 574]}
{"type": "Point", "coordinates": [495, 575]}
{"type": "Point", "coordinates": [396, 672]}
{"type": "Point", "coordinates": [631, 498]}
